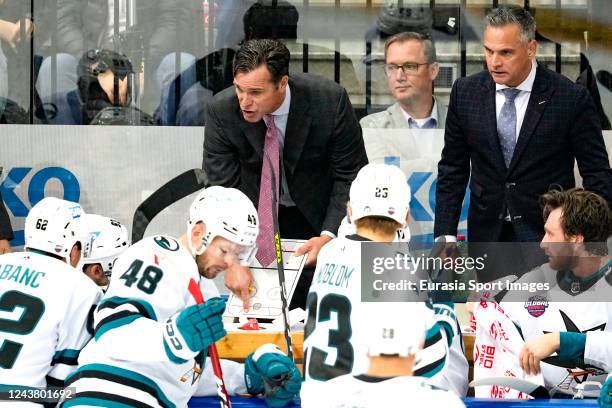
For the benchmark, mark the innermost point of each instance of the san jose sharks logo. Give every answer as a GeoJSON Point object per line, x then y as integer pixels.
{"type": "Point", "coordinates": [576, 373]}
{"type": "Point", "coordinates": [166, 243]}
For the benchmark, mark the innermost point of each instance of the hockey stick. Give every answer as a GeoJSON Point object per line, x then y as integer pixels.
{"type": "Point", "coordinates": [524, 386]}
{"type": "Point", "coordinates": [194, 289]}
{"type": "Point", "coordinates": [177, 188]}
{"type": "Point", "coordinates": [280, 267]}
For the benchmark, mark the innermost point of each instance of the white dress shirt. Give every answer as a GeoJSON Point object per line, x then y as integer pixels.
{"type": "Point", "coordinates": [521, 100]}
{"type": "Point", "coordinates": [420, 122]}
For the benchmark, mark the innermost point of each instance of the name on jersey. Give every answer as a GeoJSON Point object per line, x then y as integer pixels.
{"type": "Point", "coordinates": [20, 274]}
{"type": "Point", "coordinates": [335, 275]}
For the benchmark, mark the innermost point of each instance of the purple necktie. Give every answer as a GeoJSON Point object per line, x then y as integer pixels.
{"type": "Point", "coordinates": [266, 252]}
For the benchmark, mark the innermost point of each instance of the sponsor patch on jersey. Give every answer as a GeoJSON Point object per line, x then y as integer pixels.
{"type": "Point", "coordinates": [166, 243]}
{"type": "Point", "coordinates": [536, 305]}
{"type": "Point", "coordinates": [76, 211]}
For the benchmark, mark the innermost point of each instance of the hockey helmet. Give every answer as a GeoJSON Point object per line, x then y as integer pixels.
{"type": "Point", "coordinates": [108, 239]}
{"type": "Point", "coordinates": [228, 213]}
{"type": "Point", "coordinates": [396, 18]}
{"type": "Point", "coordinates": [396, 328]}
{"type": "Point", "coordinates": [98, 61]}
{"type": "Point", "coordinates": [380, 190]}
{"type": "Point", "coordinates": [54, 225]}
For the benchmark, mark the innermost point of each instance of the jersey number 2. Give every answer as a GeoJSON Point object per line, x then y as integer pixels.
{"type": "Point", "coordinates": [338, 339]}
{"type": "Point", "coordinates": [32, 310]}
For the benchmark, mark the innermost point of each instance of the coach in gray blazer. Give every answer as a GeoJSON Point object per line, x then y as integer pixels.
{"type": "Point", "coordinates": [395, 118]}
{"type": "Point", "coordinates": [410, 68]}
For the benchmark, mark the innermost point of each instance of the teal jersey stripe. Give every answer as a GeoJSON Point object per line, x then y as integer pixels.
{"type": "Point", "coordinates": [121, 372]}
{"type": "Point", "coordinates": [115, 323]}
{"type": "Point", "coordinates": [66, 356]}
{"type": "Point", "coordinates": [115, 301]}
{"type": "Point", "coordinates": [68, 353]}
{"type": "Point", "coordinates": [94, 402]}
{"type": "Point", "coordinates": [435, 370]}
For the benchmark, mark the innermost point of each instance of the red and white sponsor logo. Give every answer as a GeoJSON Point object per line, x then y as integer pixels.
{"type": "Point", "coordinates": [485, 356]}
{"type": "Point", "coordinates": [497, 331]}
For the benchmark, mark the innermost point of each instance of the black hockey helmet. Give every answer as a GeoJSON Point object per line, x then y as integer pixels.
{"type": "Point", "coordinates": [97, 61]}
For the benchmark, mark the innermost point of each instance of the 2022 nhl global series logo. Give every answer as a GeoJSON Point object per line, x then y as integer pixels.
{"type": "Point", "coordinates": [536, 305]}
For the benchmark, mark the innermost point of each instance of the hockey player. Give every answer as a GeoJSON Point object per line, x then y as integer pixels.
{"type": "Point", "coordinates": [378, 207]}
{"type": "Point", "coordinates": [567, 328]}
{"type": "Point", "coordinates": [44, 302]}
{"type": "Point", "coordinates": [392, 345]}
{"type": "Point", "coordinates": [108, 239]}
{"type": "Point", "coordinates": [150, 335]}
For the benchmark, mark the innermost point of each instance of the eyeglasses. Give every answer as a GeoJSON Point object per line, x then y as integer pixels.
{"type": "Point", "coordinates": [407, 68]}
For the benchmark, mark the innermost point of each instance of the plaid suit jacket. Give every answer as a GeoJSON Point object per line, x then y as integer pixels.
{"type": "Point", "coordinates": [561, 124]}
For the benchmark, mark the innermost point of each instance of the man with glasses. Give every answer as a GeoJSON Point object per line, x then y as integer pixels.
{"type": "Point", "coordinates": [410, 68]}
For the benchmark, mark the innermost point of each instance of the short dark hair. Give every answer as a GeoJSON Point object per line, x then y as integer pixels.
{"type": "Point", "coordinates": [582, 213]}
{"type": "Point", "coordinates": [512, 14]}
{"type": "Point", "coordinates": [428, 44]}
{"type": "Point", "coordinates": [255, 53]}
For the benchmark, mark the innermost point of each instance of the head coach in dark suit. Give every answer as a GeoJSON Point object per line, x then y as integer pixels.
{"type": "Point", "coordinates": [514, 131]}
{"type": "Point", "coordinates": [306, 124]}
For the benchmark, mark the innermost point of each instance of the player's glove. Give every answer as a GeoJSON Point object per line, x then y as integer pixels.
{"type": "Point", "coordinates": [605, 395]}
{"type": "Point", "coordinates": [270, 372]}
{"type": "Point", "coordinates": [194, 329]}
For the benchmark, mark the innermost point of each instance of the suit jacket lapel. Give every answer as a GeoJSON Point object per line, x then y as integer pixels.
{"type": "Point", "coordinates": [538, 100]}
{"type": "Point", "coordinates": [441, 113]}
{"type": "Point", "coordinates": [255, 133]}
{"type": "Point", "coordinates": [397, 117]}
{"type": "Point", "coordinates": [298, 126]}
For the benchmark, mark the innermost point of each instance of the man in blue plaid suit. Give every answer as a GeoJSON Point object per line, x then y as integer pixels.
{"type": "Point", "coordinates": [514, 131]}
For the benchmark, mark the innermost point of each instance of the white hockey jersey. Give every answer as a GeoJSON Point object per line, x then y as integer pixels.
{"type": "Point", "coordinates": [127, 362]}
{"type": "Point", "coordinates": [365, 391]}
{"type": "Point", "coordinates": [569, 305]}
{"type": "Point", "coordinates": [45, 318]}
{"type": "Point", "coordinates": [332, 348]}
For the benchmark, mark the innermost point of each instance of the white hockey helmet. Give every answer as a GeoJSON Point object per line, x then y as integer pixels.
{"type": "Point", "coordinates": [228, 213]}
{"type": "Point", "coordinates": [54, 225]}
{"type": "Point", "coordinates": [108, 239]}
{"type": "Point", "coordinates": [380, 190]}
{"type": "Point", "coordinates": [395, 328]}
